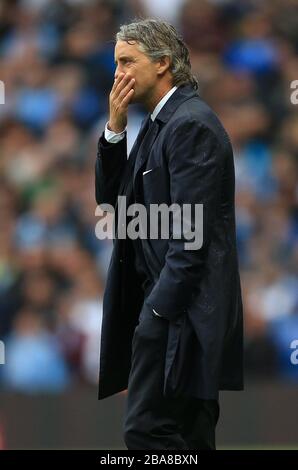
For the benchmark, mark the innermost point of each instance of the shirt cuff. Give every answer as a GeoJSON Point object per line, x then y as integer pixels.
{"type": "Point", "coordinates": [112, 136]}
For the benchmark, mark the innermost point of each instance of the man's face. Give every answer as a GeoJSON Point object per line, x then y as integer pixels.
{"type": "Point", "coordinates": [131, 61]}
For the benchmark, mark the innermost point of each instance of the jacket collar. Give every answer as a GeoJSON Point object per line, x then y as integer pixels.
{"type": "Point", "coordinates": [183, 93]}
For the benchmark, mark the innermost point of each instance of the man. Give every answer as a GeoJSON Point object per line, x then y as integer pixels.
{"type": "Point", "coordinates": [172, 319]}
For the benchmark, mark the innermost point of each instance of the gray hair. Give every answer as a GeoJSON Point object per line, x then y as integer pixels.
{"type": "Point", "coordinates": [157, 39]}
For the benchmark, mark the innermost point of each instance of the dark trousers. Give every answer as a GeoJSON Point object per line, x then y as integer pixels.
{"type": "Point", "coordinates": [151, 420]}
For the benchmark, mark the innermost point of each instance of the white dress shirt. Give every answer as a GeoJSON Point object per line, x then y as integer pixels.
{"type": "Point", "coordinates": [114, 137]}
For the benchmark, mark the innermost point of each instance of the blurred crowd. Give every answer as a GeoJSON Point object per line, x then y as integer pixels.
{"type": "Point", "coordinates": [57, 65]}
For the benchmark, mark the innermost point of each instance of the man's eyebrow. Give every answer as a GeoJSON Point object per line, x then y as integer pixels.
{"type": "Point", "coordinates": [123, 57]}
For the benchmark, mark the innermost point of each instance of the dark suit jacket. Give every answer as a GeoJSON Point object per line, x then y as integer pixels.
{"type": "Point", "coordinates": [197, 291]}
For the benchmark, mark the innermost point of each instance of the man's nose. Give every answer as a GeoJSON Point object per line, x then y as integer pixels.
{"type": "Point", "coordinates": [117, 72]}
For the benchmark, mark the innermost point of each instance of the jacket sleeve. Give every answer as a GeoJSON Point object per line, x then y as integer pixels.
{"type": "Point", "coordinates": [194, 164]}
{"type": "Point", "coordinates": [109, 167]}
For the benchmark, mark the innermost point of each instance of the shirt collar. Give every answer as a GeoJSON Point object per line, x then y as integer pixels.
{"type": "Point", "coordinates": [162, 102]}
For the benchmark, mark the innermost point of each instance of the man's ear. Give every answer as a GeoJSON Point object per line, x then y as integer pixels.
{"type": "Point", "coordinates": [163, 65]}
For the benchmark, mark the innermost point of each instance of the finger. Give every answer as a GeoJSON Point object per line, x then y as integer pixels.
{"type": "Point", "coordinates": [121, 85]}
{"type": "Point", "coordinates": [126, 89]}
{"type": "Point", "coordinates": [117, 81]}
{"type": "Point", "coordinates": [126, 99]}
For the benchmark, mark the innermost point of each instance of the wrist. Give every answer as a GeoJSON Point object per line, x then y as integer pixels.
{"type": "Point", "coordinates": [113, 128]}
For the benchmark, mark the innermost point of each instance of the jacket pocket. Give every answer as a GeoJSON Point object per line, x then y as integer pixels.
{"type": "Point", "coordinates": [181, 357]}
{"type": "Point", "coordinates": [150, 174]}
{"type": "Point", "coordinates": [174, 337]}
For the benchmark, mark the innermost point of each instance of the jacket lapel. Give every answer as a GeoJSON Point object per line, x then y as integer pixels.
{"type": "Point", "coordinates": [126, 184]}
{"type": "Point", "coordinates": [145, 147]}
{"type": "Point", "coordinates": [132, 155]}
